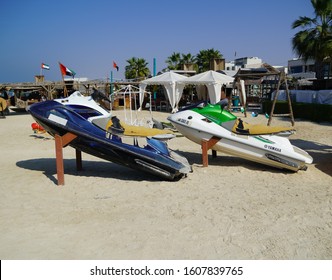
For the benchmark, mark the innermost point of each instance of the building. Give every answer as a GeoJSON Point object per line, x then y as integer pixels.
{"type": "Point", "coordinates": [300, 69]}
{"type": "Point", "coordinates": [243, 62]}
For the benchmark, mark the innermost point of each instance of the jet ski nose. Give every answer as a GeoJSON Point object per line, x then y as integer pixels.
{"type": "Point", "coordinates": [186, 169]}
{"type": "Point", "coordinates": [170, 118]}
{"type": "Point", "coordinates": [174, 117]}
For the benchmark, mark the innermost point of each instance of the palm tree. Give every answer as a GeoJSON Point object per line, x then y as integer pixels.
{"type": "Point", "coordinates": [315, 41]}
{"type": "Point", "coordinates": [137, 68]}
{"type": "Point", "coordinates": [204, 57]}
{"type": "Point", "coordinates": [187, 58]}
{"type": "Point", "coordinates": [174, 61]}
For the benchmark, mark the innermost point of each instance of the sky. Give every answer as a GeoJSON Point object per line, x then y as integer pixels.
{"type": "Point", "coordinates": [87, 36]}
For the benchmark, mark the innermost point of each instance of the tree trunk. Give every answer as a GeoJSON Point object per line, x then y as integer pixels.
{"type": "Point", "coordinates": [319, 69]}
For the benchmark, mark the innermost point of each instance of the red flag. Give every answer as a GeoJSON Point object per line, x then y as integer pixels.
{"type": "Point", "coordinates": [66, 71]}
{"type": "Point", "coordinates": [115, 66]}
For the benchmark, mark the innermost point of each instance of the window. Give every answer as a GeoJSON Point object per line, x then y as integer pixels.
{"type": "Point", "coordinates": [295, 69]}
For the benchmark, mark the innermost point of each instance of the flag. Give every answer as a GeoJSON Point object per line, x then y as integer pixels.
{"type": "Point", "coordinates": [66, 71]}
{"type": "Point", "coordinates": [45, 66]}
{"type": "Point", "coordinates": [115, 66]}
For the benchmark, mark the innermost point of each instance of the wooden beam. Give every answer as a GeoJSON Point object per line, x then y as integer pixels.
{"type": "Point", "coordinates": [282, 79]}
{"type": "Point", "coordinates": [59, 160]}
{"type": "Point", "coordinates": [67, 138]}
{"type": "Point", "coordinates": [60, 142]}
{"type": "Point", "coordinates": [206, 145]}
{"type": "Point", "coordinates": [78, 160]}
{"type": "Point", "coordinates": [290, 109]}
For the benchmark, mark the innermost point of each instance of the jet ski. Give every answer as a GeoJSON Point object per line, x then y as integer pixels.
{"type": "Point", "coordinates": [259, 143]}
{"type": "Point", "coordinates": [83, 117]}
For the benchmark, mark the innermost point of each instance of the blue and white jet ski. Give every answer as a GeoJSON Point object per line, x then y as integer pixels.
{"type": "Point", "coordinates": [83, 117]}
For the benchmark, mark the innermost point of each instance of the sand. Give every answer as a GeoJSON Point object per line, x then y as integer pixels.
{"type": "Point", "coordinates": [232, 209]}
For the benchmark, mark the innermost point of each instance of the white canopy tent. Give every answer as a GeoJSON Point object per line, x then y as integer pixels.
{"type": "Point", "coordinates": [170, 81]}
{"type": "Point", "coordinates": [213, 81]}
{"type": "Point", "coordinates": [129, 93]}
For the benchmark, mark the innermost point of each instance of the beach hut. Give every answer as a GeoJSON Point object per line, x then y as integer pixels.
{"type": "Point", "coordinates": [170, 81]}
{"type": "Point", "coordinates": [212, 80]}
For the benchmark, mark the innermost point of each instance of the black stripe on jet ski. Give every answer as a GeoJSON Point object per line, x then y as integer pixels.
{"type": "Point", "coordinates": [281, 160]}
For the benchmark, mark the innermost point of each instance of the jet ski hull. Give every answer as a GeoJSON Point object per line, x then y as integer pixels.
{"type": "Point", "coordinates": [154, 158]}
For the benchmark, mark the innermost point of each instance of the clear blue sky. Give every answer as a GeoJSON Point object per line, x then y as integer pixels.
{"type": "Point", "coordinates": [87, 36]}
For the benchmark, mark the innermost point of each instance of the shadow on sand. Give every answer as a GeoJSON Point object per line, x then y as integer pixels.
{"type": "Point", "coordinates": [90, 169]}
{"type": "Point", "coordinates": [224, 160]}
{"type": "Point", "coordinates": [321, 154]}
{"type": "Point", "coordinates": [322, 159]}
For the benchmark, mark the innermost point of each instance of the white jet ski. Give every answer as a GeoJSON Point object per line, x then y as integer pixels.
{"type": "Point", "coordinates": [259, 143]}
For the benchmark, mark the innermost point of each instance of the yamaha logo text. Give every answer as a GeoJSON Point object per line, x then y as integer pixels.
{"type": "Point", "coordinates": [272, 148]}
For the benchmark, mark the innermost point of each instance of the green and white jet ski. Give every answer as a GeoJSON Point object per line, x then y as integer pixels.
{"type": "Point", "coordinates": [259, 143]}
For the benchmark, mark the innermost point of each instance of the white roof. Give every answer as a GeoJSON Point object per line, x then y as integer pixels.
{"type": "Point", "coordinates": [208, 77]}
{"type": "Point", "coordinates": [165, 78]}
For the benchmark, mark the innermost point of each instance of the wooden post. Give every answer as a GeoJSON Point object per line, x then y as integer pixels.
{"type": "Point", "coordinates": [60, 142]}
{"type": "Point", "coordinates": [206, 145]}
{"type": "Point", "coordinates": [274, 101]}
{"type": "Point", "coordinates": [78, 160]}
{"type": "Point", "coordinates": [289, 104]}
{"type": "Point", "coordinates": [59, 160]}
{"type": "Point", "coordinates": [282, 78]}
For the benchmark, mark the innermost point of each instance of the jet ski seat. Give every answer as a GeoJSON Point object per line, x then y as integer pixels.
{"type": "Point", "coordinates": [112, 125]}
{"type": "Point", "coordinates": [116, 127]}
{"type": "Point", "coordinates": [241, 127]}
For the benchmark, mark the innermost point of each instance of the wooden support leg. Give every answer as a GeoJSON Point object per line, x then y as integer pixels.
{"type": "Point", "coordinates": [78, 160]}
{"type": "Point", "coordinates": [59, 160]}
{"type": "Point", "coordinates": [205, 153]}
{"type": "Point", "coordinates": [60, 142]}
{"type": "Point", "coordinates": [206, 145]}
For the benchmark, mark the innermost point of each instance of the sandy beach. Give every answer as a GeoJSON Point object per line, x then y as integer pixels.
{"type": "Point", "coordinates": [232, 209]}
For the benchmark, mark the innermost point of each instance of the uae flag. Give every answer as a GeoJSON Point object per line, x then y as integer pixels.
{"type": "Point", "coordinates": [45, 66]}
{"type": "Point", "coordinates": [66, 71]}
{"type": "Point", "coordinates": [115, 66]}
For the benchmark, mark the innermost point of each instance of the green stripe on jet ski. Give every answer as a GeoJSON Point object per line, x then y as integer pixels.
{"type": "Point", "coordinates": [214, 113]}
{"type": "Point", "coordinates": [260, 138]}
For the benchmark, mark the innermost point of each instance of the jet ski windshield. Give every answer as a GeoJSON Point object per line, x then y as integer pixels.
{"type": "Point", "coordinates": [200, 104]}
{"type": "Point", "coordinates": [158, 146]}
{"type": "Point", "coordinates": [84, 111]}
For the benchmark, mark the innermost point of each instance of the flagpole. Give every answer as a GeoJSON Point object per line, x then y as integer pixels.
{"type": "Point", "coordinates": [154, 74]}
{"type": "Point", "coordinates": [111, 89]}
{"type": "Point", "coordinates": [154, 67]}
{"type": "Point", "coordinates": [65, 92]}
{"type": "Point", "coordinates": [111, 82]}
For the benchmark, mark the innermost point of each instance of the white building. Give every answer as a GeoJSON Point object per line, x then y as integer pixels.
{"type": "Point", "coordinates": [243, 62]}
{"type": "Point", "coordinates": [300, 69]}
